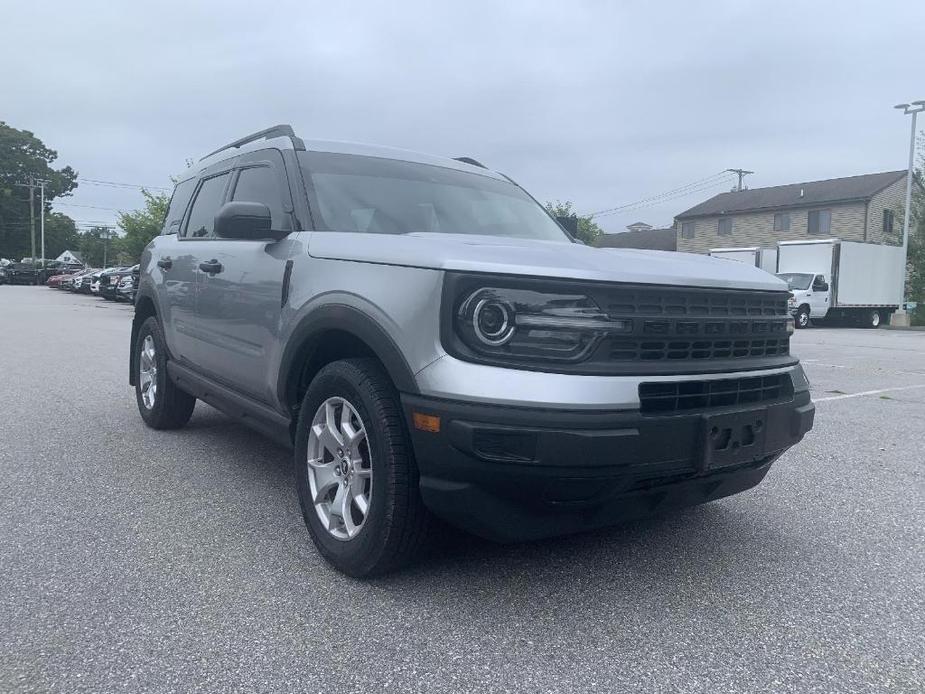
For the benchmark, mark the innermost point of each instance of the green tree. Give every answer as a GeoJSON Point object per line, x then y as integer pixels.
{"type": "Point", "coordinates": [142, 225]}
{"type": "Point", "coordinates": [588, 230]}
{"type": "Point", "coordinates": [60, 234]}
{"type": "Point", "coordinates": [23, 155]}
{"type": "Point", "coordinates": [915, 277]}
{"type": "Point", "coordinates": [99, 247]}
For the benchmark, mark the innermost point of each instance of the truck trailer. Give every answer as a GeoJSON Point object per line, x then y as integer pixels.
{"type": "Point", "coordinates": [764, 258]}
{"type": "Point", "coordinates": [842, 280]}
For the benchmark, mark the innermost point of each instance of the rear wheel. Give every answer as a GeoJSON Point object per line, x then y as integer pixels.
{"type": "Point", "coordinates": [871, 319]}
{"type": "Point", "coordinates": [801, 320]}
{"type": "Point", "coordinates": [355, 471]}
{"type": "Point", "coordinates": [161, 404]}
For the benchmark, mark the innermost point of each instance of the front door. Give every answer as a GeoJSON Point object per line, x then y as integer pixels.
{"type": "Point", "coordinates": [819, 299]}
{"type": "Point", "coordinates": [241, 282]}
{"type": "Point", "coordinates": [180, 261]}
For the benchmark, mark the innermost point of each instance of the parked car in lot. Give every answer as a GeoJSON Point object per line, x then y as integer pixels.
{"type": "Point", "coordinates": [109, 282]}
{"type": "Point", "coordinates": [128, 286]}
{"type": "Point", "coordinates": [430, 341]}
{"type": "Point", "coordinates": [81, 281]}
{"type": "Point", "coordinates": [21, 273]}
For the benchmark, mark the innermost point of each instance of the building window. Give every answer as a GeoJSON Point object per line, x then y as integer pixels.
{"type": "Point", "coordinates": [820, 222]}
{"type": "Point", "coordinates": [724, 227]}
{"type": "Point", "coordinates": [782, 221]}
{"type": "Point", "coordinates": [888, 221]}
{"type": "Point", "coordinates": [688, 229]}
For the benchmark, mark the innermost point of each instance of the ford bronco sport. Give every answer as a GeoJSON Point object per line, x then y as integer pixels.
{"type": "Point", "coordinates": [431, 341]}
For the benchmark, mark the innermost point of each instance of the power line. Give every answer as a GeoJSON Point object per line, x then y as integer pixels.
{"type": "Point", "coordinates": [118, 184]}
{"type": "Point", "coordinates": [708, 183]}
{"type": "Point", "coordinates": [90, 207]}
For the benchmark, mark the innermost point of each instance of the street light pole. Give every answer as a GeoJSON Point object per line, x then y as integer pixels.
{"type": "Point", "coordinates": [913, 109]}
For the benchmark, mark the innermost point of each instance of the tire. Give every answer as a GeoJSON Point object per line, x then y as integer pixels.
{"type": "Point", "coordinates": [801, 320]}
{"type": "Point", "coordinates": [872, 319]}
{"type": "Point", "coordinates": [166, 406]}
{"type": "Point", "coordinates": [396, 524]}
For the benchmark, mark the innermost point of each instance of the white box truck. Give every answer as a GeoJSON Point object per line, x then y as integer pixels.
{"type": "Point", "coordinates": [765, 258]}
{"type": "Point", "coordinates": [835, 279]}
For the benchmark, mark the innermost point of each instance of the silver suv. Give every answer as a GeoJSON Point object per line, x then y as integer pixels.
{"type": "Point", "coordinates": [432, 343]}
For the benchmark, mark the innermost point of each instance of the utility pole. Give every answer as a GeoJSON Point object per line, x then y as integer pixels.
{"type": "Point", "coordinates": [741, 173]}
{"type": "Point", "coordinates": [31, 186]}
{"type": "Point", "coordinates": [42, 218]}
{"type": "Point", "coordinates": [900, 317]}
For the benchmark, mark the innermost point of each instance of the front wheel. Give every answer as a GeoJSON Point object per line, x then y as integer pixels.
{"type": "Point", "coordinates": [161, 404]}
{"type": "Point", "coordinates": [355, 471]}
{"type": "Point", "coordinates": [802, 318]}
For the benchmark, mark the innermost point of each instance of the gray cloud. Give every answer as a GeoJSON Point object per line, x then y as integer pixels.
{"type": "Point", "coordinates": [600, 103]}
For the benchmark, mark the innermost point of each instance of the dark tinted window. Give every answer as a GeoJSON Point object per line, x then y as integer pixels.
{"type": "Point", "coordinates": [261, 184]}
{"type": "Point", "coordinates": [178, 203]}
{"type": "Point", "coordinates": [724, 227]}
{"type": "Point", "coordinates": [782, 221]}
{"type": "Point", "coordinates": [819, 222]}
{"type": "Point", "coordinates": [387, 196]}
{"type": "Point", "coordinates": [888, 221]}
{"type": "Point", "coordinates": [208, 199]}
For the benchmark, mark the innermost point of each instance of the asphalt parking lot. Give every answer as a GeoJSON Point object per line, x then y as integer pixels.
{"type": "Point", "coordinates": [135, 560]}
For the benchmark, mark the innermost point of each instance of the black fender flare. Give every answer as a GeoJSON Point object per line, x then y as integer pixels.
{"type": "Point", "coordinates": [143, 294]}
{"type": "Point", "coordinates": [348, 319]}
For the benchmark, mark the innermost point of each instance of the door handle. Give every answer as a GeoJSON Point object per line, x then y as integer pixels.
{"type": "Point", "coordinates": [212, 267]}
{"type": "Point", "coordinates": [165, 263]}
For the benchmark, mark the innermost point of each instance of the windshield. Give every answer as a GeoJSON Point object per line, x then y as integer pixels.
{"type": "Point", "coordinates": [797, 280]}
{"type": "Point", "coordinates": [387, 196]}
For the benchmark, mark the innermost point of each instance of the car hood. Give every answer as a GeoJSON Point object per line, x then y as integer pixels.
{"type": "Point", "coordinates": [502, 255]}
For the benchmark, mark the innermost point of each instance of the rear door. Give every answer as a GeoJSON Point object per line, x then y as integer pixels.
{"type": "Point", "coordinates": [240, 297]}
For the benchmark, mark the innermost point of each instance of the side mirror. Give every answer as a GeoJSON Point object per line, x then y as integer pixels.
{"type": "Point", "coordinates": [246, 220]}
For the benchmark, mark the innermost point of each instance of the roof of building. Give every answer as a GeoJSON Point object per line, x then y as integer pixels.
{"type": "Point", "coordinates": [651, 239]}
{"type": "Point", "coordinates": [811, 193]}
{"type": "Point", "coordinates": [75, 255]}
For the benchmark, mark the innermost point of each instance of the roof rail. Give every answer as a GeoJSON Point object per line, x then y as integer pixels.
{"type": "Point", "coordinates": [470, 160]}
{"type": "Point", "coordinates": [283, 130]}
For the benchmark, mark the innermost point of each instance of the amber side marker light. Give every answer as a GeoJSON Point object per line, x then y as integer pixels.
{"type": "Point", "coordinates": [426, 422]}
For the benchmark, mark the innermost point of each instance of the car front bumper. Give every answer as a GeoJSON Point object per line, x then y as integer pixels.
{"type": "Point", "coordinates": [520, 473]}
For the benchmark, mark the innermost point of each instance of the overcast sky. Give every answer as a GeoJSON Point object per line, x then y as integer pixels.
{"type": "Point", "coordinates": [600, 103]}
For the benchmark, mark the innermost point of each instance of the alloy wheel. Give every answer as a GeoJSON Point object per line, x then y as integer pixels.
{"type": "Point", "coordinates": [147, 372]}
{"type": "Point", "coordinates": [340, 473]}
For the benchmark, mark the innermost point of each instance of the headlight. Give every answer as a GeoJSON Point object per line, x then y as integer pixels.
{"type": "Point", "coordinates": [522, 325]}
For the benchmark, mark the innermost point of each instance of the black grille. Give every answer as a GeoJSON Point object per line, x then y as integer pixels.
{"type": "Point", "coordinates": [667, 350]}
{"type": "Point", "coordinates": [679, 396]}
{"type": "Point", "coordinates": [673, 324]}
{"type": "Point", "coordinates": [700, 303]}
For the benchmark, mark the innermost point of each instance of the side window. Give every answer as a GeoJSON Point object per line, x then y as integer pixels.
{"type": "Point", "coordinates": [688, 229]}
{"type": "Point", "coordinates": [202, 215]}
{"type": "Point", "coordinates": [261, 184]}
{"type": "Point", "coordinates": [178, 202]}
{"type": "Point", "coordinates": [724, 226]}
{"type": "Point", "coordinates": [782, 221]}
{"type": "Point", "coordinates": [819, 221]}
{"type": "Point", "coordinates": [888, 221]}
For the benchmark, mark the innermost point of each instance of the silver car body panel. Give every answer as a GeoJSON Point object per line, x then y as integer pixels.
{"type": "Point", "coordinates": [454, 379]}
{"type": "Point", "coordinates": [513, 256]}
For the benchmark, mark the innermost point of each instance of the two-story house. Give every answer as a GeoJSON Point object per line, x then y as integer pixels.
{"type": "Point", "coordinates": [856, 208]}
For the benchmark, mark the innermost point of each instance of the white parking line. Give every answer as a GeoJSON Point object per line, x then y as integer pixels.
{"type": "Point", "coordinates": [867, 392]}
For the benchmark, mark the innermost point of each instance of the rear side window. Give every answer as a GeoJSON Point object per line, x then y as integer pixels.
{"type": "Point", "coordinates": [202, 215]}
{"type": "Point", "coordinates": [178, 202]}
{"type": "Point", "coordinates": [260, 184]}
